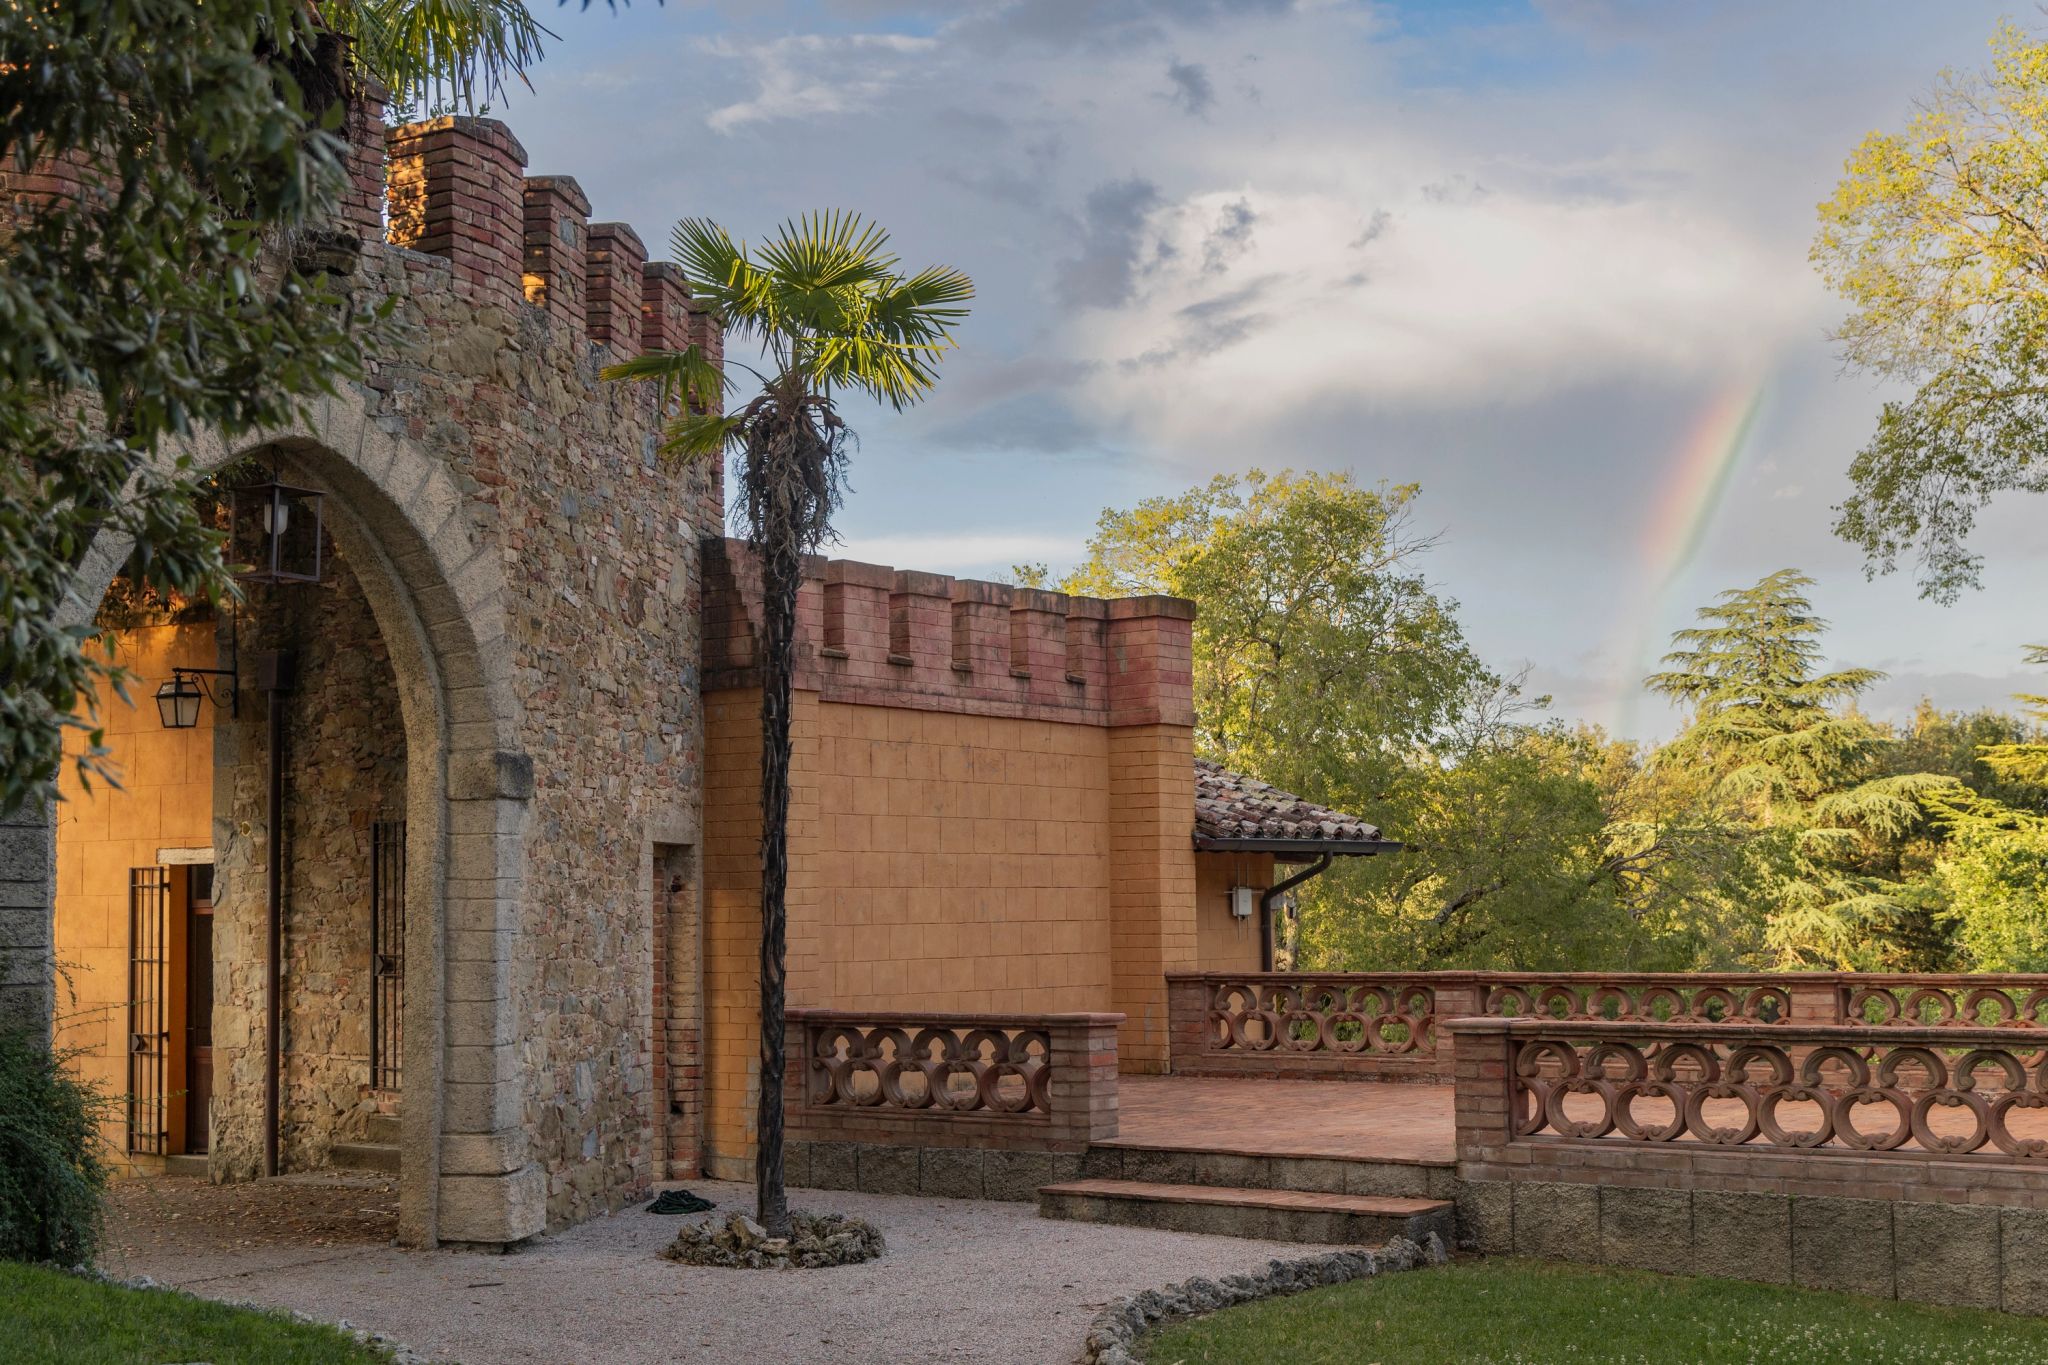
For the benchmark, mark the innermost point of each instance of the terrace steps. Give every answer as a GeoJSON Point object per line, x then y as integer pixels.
{"type": "Point", "coordinates": [378, 1151]}
{"type": "Point", "coordinates": [1239, 1165]}
{"type": "Point", "coordinates": [1270, 1214]}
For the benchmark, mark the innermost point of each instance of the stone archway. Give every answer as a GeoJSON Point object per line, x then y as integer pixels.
{"type": "Point", "coordinates": [434, 586]}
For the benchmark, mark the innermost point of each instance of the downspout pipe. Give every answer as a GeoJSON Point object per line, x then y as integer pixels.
{"type": "Point", "coordinates": [1271, 898]}
{"type": "Point", "coordinates": [275, 672]}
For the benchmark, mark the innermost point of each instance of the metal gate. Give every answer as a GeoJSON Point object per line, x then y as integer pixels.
{"type": "Point", "coordinates": [149, 1013]}
{"type": "Point", "coordinates": [387, 953]}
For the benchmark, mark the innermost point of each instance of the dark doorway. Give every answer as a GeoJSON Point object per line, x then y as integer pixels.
{"type": "Point", "coordinates": [198, 1005]}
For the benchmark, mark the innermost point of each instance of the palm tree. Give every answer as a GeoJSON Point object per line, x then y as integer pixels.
{"type": "Point", "coordinates": [832, 313]}
{"type": "Point", "coordinates": [440, 56]}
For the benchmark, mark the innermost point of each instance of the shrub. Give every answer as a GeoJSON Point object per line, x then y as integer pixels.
{"type": "Point", "coordinates": [52, 1173]}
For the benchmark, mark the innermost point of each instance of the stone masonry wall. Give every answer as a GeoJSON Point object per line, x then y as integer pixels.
{"type": "Point", "coordinates": [596, 536]}
{"type": "Point", "coordinates": [533, 562]}
{"type": "Point", "coordinates": [345, 768]}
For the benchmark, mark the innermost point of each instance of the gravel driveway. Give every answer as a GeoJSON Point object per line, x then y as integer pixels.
{"type": "Point", "coordinates": [962, 1281]}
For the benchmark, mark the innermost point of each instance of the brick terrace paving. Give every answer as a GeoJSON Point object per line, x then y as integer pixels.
{"type": "Point", "coordinates": [1348, 1120]}
{"type": "Point", "coordinates": [1401, 1122]}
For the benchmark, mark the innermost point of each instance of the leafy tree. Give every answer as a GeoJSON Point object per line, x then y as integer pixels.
{"type": "Point", "coordinates": [1993, 872]}
{"type": "Point", "coordinates": [1535, 846]}
{"type": "Point", "coordinates": [1783, 751]}
{"type": "Point", "coordinates": [1322, 656]}
{"type": "Point", "coordinates": [162, 299]}
{"type": "Point", "coordinates": [832, 313]}
{"type": "Point", "coordinates": [1938, 238]}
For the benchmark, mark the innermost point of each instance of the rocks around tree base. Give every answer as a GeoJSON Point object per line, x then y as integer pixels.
{"type": "Point", "coordinates": [815, 1240]}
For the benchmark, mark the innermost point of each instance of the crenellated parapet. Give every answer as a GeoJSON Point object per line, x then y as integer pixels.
{"type": "Point", "coordinates": [874, 635]}
{"type": "Point", "coordinates": [457, 188]}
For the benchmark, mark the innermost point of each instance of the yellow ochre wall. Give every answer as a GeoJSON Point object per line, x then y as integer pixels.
{"type": "Point", "coordinates": [165, 801]}
{"type": "Point", "coordinates": [947, 862]}
{"type": "Point", "coordinates": [1224, 943]}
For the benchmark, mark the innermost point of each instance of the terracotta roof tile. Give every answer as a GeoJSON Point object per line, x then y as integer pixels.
{"type": "Point", "coordinates": [1232, 806]}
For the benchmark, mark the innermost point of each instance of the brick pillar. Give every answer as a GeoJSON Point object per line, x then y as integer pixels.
{"type": "Point", "coordinates": [1084, 1069]}
{"type": "Point", "coordinates": [1187, 1013]}
{"type": "Point", "coordinates": [456, 191]}
{"type": "Point", "coordinates": [981, 627]}
{"type": "Point", "coordinates": [921, 626]}
{"type": "Point", "coordinates": [706, 331]}
{"type": "Point", "coordinates": [1150, 648]}
{"type": "Point", "coordinates": [1480, 1074]}
{"type": "Point", "coordinates": [1456, 998]}
{"type": "Point", "coordinates": [1818, 998]}
{"type": "Point", "coordinates": [362, 203]}
{"type": "Point", "coordinates": [557, 227]}
{"type": "Point", "coordinates": [612, 286]}
{"type": "Point", "coordinates": [664, 308]}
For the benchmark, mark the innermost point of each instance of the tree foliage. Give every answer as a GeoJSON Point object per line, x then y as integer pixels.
{"type": "Point", "coordinates": [1322, 654]}
{"type": "Point", "coordinates": [165, 299]}
{"type": "Point", "coordinates": [1786, 755]}
{"type": "Point", "coordinates": [1938, 238]}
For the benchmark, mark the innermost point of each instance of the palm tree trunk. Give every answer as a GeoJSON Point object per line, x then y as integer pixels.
{"type": "Point", "coordinates": [781, 569]}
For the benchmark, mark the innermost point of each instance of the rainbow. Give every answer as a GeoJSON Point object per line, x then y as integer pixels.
{"type": "Point", "coordinates": [1686, 506]}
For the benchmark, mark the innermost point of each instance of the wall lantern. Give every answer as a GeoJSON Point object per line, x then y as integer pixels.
{"type": "Point", "coordinates": [177, 701]}
{"type": "Point", "coordinates": [275, 532]}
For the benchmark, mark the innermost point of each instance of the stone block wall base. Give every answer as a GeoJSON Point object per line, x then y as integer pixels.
{"type": "Point", "coordinates": [1961, 1255]}
{"type": "Point", "coordinates": [941, 1172]}
{"type": "Point", "coordinates": [495, 1210]}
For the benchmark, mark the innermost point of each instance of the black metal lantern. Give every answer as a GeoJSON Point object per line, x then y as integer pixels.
{"type": "Point", "coordinates": [275, 532]}
{"type": "Point", "coordinates": [177, 702]}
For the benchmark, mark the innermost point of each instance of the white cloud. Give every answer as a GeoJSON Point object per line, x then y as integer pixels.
{"type": "Point", "coordinates": [1457, 298]}
{"type": "Point", "coordinates": [811, 75]}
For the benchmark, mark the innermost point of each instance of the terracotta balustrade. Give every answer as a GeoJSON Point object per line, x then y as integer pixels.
{"type": "Point", "coordinates": [1042, 1082]}
{"type": "Point", "coordinates": [1388, 1026]}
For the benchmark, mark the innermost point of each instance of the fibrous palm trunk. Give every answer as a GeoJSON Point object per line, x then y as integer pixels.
{"type": "Point", "coordinates": [779, 544]}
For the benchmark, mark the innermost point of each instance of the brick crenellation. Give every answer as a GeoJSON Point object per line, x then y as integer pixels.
{"type": "Point", "coordinates": [871, 634]}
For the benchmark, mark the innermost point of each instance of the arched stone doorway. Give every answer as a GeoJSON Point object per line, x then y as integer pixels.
{"type": "Point", "coordinates": [410, 620]}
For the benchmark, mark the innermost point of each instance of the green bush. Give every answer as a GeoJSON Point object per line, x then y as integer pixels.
{"type": "Point", "coordinates": [52, 1174]}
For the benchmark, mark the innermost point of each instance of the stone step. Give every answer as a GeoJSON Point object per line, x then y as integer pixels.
{"type": "Point", "coordinates": [1195, 1165]}
{"type": "Point", "coordinates": [1274, 1215]}
{"type": "Point", "coordinates": [381, 1128]}
{"type": "Point", "coordinates": [365, 1156]}
{"type": "Point", "coordinates": [191, 1163]}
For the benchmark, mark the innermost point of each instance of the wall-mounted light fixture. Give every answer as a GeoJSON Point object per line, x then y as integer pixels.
{"type": "Point", "coordinates": [177, 701]}
{"type": "Point", "coordinates": [275, 532]}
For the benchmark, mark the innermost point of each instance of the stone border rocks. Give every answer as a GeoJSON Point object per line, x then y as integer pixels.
{"type": "Point", "coordinates": [1115, 1333]}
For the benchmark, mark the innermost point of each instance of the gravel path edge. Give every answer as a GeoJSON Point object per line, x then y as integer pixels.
{"type": "Point", "coordinates": [397, 1352]}
{"type": "Point", "coordinates": [1115, 1332]}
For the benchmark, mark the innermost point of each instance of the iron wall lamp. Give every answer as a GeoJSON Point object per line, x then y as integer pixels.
{"type": "Point", "coordinates": [177, 701]}
{"type": "Point", "coordinates": [276, 532]}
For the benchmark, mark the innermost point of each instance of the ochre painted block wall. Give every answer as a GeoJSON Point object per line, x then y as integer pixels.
{"type": "Point", "coordinates": [165, 800]}
{"type": "Point", "coordinates": [961, 864]}
{"type": "Point", "coordinates": [937, 862]}
{"type": "Point", "coordinates": [1224, 943]}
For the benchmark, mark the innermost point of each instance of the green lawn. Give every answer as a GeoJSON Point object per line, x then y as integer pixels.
{"type": "Point", "coordinates": [49, 1318]}
{"type": "Point", "coordinates": [1513, 1312]}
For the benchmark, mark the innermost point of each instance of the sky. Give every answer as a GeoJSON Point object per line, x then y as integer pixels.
{"type": "Point", "coordinates": [1546, 259]}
